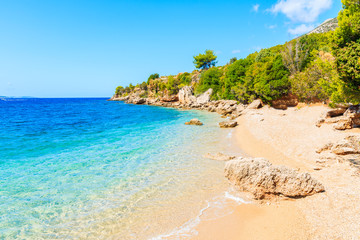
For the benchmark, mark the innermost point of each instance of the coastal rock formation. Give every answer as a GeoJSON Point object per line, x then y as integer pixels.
{"type": "Point", "coordinates": [186, 96]}
{"type": "Point", "coordinates": [259, 177]}
{"type": "Point", "coordinates": [256, 104]}
{"type": "Point", "coordinates": [349, 145]}
{"type": "Point", "coordinates": [205, 97]}
{"type": "Point", "coordinates": [194, 121]}
{"type": "Point", "coordinates": [353, 113]}
{"type": "Point", "coordinates": [219, 157]}
{"type": "Point", "coordinates": [343, 118]}
{"type": "Point", "coordinates": [228, 124]}
{"type": "Point", "coordinates": [136, 100]}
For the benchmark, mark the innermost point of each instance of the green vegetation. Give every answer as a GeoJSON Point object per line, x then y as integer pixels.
{"type": "Point", "coordinates": [205, 61]}
{"type": "Point", "coordinates": [314, 67]}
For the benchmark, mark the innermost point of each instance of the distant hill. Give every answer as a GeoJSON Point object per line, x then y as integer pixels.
{"type": "Point", "coordinates": [326, 26]}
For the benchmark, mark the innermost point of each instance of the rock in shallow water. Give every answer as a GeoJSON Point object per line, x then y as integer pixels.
{"type": "Point", "coordinates": [259, 177]}
{"type": "Point", "coordinates": [194, 122]}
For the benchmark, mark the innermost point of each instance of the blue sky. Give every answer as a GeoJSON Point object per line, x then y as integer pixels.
{"type": "Point", "coordinates": [84, 48]}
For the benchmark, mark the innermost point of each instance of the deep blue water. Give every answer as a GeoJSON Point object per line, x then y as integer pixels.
{"type": "Point", "coordinates": [80, 168]}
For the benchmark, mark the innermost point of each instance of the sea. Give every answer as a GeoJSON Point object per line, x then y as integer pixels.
{"type": "Point", "coordinates": [87, 168]}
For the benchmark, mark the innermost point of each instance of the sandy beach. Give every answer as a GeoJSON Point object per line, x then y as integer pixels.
{"type": "Point", "coordinates": [291, 138]}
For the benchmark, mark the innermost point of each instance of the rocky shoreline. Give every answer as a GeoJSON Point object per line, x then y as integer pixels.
{"type": "Point", "coordinates": [186, 99]}
{"type": "Point", "coordinates": [232, 110]}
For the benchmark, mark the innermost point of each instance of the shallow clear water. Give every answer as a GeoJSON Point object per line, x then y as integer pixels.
{"type": "Point", "coordinates": [89, 168]}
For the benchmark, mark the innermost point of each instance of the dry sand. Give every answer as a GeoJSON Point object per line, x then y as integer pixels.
{"type": "Point", "coordinates": [291, 138]}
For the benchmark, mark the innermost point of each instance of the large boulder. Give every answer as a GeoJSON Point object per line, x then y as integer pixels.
{"type": "Point", "coordinates": [284, 102]}
{"type": "Point", "coordinates": [194, 122]}
{"type": "Point", "coordinates": [353, 113]}
{"type": "Point", "coordinates": [255, 104]}
{"type": "Point", "coordinates": [186, 96]}
{"type": "Point", "coordinates": [259, 177]}
{"type": "Point", "coordinates": [205, 97]}
{"type": "Point", "coordinates": [228, 124]}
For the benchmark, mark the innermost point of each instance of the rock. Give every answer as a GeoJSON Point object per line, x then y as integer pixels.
{"type": "Point", "coordinates": [186, 96]}
{"type": "Point", "coordinates": [284, 102]}
{"type": "Point", "coordinates": [172, 98]}
{"type": "Point", "coordinates": [219, 156]}
{"type": "Point", "coordinates": [350, 145]}
{"type": "Point", "coordinates": [320, 121]}
{"type": "Point", "coordinates": [205, 97]}
{"type": "Point", "coordinates": [256, 104]}
{"type": "Point", "coordinates": [136, 100]}
{"type": "Point", "coordinates": [326, 147]}
{"type": "Point", "coordinates": [343, 124]}
{"type": "Point", "coordinates": [228, 124]}
{"type": "Point", "coordinates": [353, 113]}
{"type": "Point", "coordinates": [259, 177]}
{"type": "Point", "coordinates": [335, 112]}
{"type": "Point", "coordinates": [194, 122]}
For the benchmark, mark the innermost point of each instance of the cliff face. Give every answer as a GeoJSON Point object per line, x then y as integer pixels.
{"type": "Point", "coordinates": [327, 26]}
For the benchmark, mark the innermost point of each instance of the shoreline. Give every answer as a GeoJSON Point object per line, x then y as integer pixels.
{"type": "Point", "coordinates": [287, 137]}
{"type": "Point", "coordinates": [290, 138]}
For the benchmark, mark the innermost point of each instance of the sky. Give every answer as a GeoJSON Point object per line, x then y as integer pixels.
{"type": "Point", "coordinates": [86, 48]}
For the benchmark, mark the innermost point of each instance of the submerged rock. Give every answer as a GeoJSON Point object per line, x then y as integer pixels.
{"type": "Point", "coordinates": [228, 124]}
{"type": "Point", "coordinates": [219, 156]}
{"type": "Point", "coordinates": [194, 122]}
{"type": "Point", "coordinates": [259, 177]}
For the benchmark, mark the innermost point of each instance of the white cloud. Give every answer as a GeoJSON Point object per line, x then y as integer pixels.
{"type": "Point", "coordinates": [301, 29]}
{"type": "Point", "coordinates": [256, 7]}
{"type": "Point", "coordinates": [306, 11]}
{"type": "Point", "coordinates": [271, 26]}
{"type": "Point", "coordinates": [236, 51]}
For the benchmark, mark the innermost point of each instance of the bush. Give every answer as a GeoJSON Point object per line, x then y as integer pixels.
{"type": "Point", "coordinates": [210, 79]}
{"type": "Point", "coordinates": [153, 77]}
{"type": "Point", "coordinates": [268, 79]}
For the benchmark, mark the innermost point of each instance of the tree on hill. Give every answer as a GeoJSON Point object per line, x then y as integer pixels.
{"type": "Point", "coordinates": [152, 77]}
{"type": "Point", "coordinates": [205, 61]}
{"type": "Point", "coordinates": [232, 60]}
{"type": "Point", "coordinates": [119, 90]}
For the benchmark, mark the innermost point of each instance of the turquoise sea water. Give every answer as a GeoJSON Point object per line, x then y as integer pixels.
{"type": "Point", "coordinates": [93, 169]}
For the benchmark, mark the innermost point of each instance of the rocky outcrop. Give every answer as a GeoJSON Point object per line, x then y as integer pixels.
{"type": "Point", "coordinates": [219, 157]}
{"type": "Point", "coordinates": [194, 122]}
{"type": "Point", "coordinates": [256, 104]}
{"type": "Point", "coordinates": [173, 98]}
{"type": "Point", "coordinates": [136, 100]}
{"type": "Point", "coordinates": [259, 177]}
{"type": "Point", "coordinates": [343, 118]}
{"type": "Point", "coordinates": [228, 124]}
{"type": "Point", "coordinates": [205, 97]}
{"type": "Point", "coordinates": [353, 113]}
{"type": "Point", "coordinates": [186, 96]}
{"type": "Point", "coordinates": [349, 145]}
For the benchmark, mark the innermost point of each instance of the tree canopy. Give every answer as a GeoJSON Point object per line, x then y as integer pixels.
{"type": "Point", "coordinates": [205, 61]}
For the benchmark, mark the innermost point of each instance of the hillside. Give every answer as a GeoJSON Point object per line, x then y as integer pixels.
{"type": "Point", "coordinates": [326, 26]}
{"type": "Point", "coordinates": [321, 66]}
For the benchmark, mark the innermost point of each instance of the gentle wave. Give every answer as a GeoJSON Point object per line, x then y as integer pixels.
{"type": "Point", "coordinates": [216, 208]}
